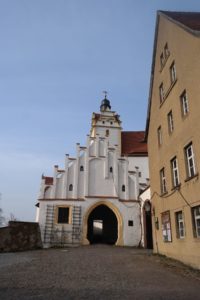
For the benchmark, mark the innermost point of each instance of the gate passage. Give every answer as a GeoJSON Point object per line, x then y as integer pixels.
{"type": "Point", "coordinates": [102, 226]}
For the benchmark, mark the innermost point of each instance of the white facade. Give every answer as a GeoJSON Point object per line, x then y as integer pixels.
{"type": "Point", "coordinates": [97, 185]}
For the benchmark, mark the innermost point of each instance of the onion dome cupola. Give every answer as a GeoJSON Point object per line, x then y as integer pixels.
{"type": "Point", "coordinates": [105, 104]}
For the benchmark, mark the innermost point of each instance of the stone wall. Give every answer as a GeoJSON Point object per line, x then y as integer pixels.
{"type": "Point", "coordinates": [20, 236]}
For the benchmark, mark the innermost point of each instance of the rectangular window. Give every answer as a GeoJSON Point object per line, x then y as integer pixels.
{"type": "Point", "coordinates": [190, 164]}
{"type": "Point", "coordinates": [170, 122]}
{"type": "Point", "coordinates": [163, 188]}
{"type": "Point", "coordinates": [173, 73]}
{"type": "Point", "coordinates": [180, 225]}
{"type": "Point", "coordinates": [161, 92]}
{"type": "Point", "coordinates": [159, 133]}
{"type": "Point", "coordinates": [184, 104]}
{"type": "Point", "coordinates": [166, 226]}
{"type": "Point", "coordinates": [196, 220]}
{"type": "Point", "coordinates": [175, 172]}
{"type": "Point", "coordinates": [63, 215]}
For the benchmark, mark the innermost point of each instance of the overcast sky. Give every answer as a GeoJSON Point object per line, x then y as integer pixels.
{"type": "Point", "coordinates": [56, 58]}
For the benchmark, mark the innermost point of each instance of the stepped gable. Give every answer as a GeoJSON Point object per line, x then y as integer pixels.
{"type": "Point", "coordinates": [132, 143]}
{"type": "Point", "coordinates": [189, 19]}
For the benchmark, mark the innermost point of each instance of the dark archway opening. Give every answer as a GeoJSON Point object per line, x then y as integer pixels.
{"type": "Point", "coordinates": [148, 221]}
{"type": "Point", "coordinates": [102, 226]}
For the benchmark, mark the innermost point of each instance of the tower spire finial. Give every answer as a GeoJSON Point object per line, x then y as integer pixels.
{"type": "Point", "coordinates": [105, 92]}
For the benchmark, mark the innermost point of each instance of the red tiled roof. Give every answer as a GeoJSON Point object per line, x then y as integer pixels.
{"type": "Point", "coordinates": [132, 143]}
{"type": "Point", "coordinates": [189, 19]}
{"type": "Point", "coordinates": [48, 180]}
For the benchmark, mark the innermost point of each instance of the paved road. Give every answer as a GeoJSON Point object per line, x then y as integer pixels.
{"type": "Point", "coordinates": [94, 272]}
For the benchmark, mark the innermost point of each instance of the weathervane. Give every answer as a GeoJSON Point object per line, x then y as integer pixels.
{"type": "Point", "coordinates": [105, 92]}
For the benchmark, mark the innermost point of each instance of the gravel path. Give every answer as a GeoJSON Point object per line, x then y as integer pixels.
{"type": "Point", "coordinates": [94, 272]}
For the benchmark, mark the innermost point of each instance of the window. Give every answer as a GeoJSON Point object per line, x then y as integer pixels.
{"type": "Point", "coordinates": [162, 60]}
{"type": "Point", "coordinates": [159, 133]}
{"type": "Point", "coordinates": [166, 51]}
{"type": "Point", "coordinates": [63, 215]}
{"type": "Point", "coordinates": [161, 92]}
{"type": "Point", "coordinates": [175, 172]}
{"type": "Point", "coordinates": [71, 187]}
{"type": "Point", "coordinates": [170, 122]}
{"type": "Point", "coordinates": [111, 169]}
{"type": "Point", "coordinates": [103, 122]}
{"type": "Point", "coordinates": [130, 223]}
{"type": "Point", "coordinates": [107, 132]}
{"type": "Point", "coordinates": [180, 225]}
{"type": "Point", "coordinates": [196, 220]}
{"type": "Point", "coordinates": [184, 104]}
{"type": "Point", "coordinates": [190, 165]}
{"type": "Point", "coordinates": [173, 73]}
{"type": "Point", "coordinates": [111, 123]}
{"type": "Point", "coordinates": [140, 174]}
{"type": "Point", "coordinates": [123, 188]}
{"type": "Point", "coordinates": [81, 168]}
{"type": "Point", "coordinates": [166, 226]}
{"type": "Point", "coordinates": [163, 188]}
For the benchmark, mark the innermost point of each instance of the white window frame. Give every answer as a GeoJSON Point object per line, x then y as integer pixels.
{"type": "Point", "coordinates": [173, 72]}
{"type": "Point", "coordinates": [163, 187]}
{"type": "Point", "coordinates": [161, 93]}
{"type": "Point", "coordinates": [190, 162]}
{"type": "Point", "coordinates": [159, 133]}
{"type": "Point", "coordinates": [196, 220]}
{"type": "Point", "coordinates": [170, 121]}
{"type": "Point", "coordinates": [184, 103]}
{"type": "Point", "coordinates": [175, 172]}
{"type": "Point", "coordinates": [180, 225]}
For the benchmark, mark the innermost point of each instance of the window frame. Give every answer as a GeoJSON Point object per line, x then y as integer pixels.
{"type": "Point", "coordinates": [175, 172]}
{"type": "Point", "coordinates": [195, 218]}
{"type": "Point", "coordinates": [173, 75]}
{"type": "Point", "coordinates": [69, 219]}
{"type": "Point", "coordinates": [163, 183]}
{"type": "Point", "coordinates": [159, 135]}
{"type": "Point", "coordinates": [170, 121]}
{"type": "Point", "coordinates": [180, 225]}
{"type": "Point", "coordinates": [184, 103]}
{"type": "Point", "coordinates": [190, 160]}
{"type": "Point", "coordinates": [161, 93]}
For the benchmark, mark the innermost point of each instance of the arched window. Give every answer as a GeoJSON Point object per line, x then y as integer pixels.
{"type": "Point", "coordinates": [111, 169]}
{"type": "Point", "coordinates": [107, 132]}
{"type": "Point", "coordinates": [71, 187]}
{"type": "Point", "coordinates": [123, 188]}
{"type": "Point", "coordinates": [81, 168]}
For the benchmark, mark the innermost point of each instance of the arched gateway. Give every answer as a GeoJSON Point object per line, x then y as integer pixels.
{"type": "Point", "coordinates": [103, 224]}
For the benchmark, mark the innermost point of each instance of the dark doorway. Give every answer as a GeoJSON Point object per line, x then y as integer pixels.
{"type": "Point", "coordinates": [102, 226]}
{"type": "Point", "coordinates": [148, 222]}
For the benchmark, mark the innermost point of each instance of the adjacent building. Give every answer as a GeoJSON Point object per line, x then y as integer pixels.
{"type": "Point", "coordinates": [94, 198]}
{"type": "Point", "coordinates": [173, 133]}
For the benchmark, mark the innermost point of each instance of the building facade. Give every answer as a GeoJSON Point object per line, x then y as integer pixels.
{"type": "Point", "coordinates": [173, 127]}
{"type": "Point", "coordinates": [94, 198]}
